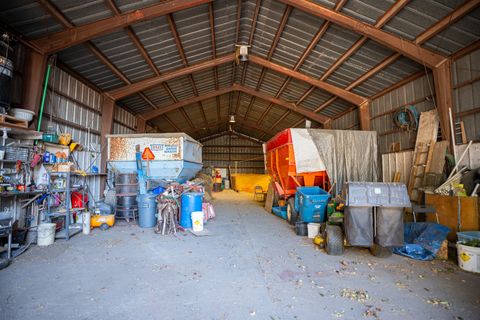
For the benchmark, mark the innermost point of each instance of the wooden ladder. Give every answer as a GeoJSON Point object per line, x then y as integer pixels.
{"type": "Point", "coordinates": [422, 159]}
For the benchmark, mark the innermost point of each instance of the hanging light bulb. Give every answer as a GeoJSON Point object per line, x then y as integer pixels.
{"type": "Point", "coordinates": [232, 119]}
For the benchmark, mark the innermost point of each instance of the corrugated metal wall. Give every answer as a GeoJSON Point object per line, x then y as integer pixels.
{"type": "Point", "coordinates": [466, 83]}
{"type": "Point", "coordinates": [418, 93]}
{"type": "Point", "coordinates": [75, 108]}
{"type": "Point", "coordinates": [123, 122]}
{"type": "Point", "coordinates": [348, 121]}
{"type": "Point", "coordinates": [244, 154]}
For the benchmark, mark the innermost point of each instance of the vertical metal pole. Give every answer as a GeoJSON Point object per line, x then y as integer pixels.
{"type": "Point", "coordinates": [67, 206]}
{"type": "Point", "coordinates": [44, 96]}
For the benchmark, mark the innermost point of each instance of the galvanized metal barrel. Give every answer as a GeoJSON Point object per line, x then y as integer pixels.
{"type": "Point", "coordinates": [126, 189]}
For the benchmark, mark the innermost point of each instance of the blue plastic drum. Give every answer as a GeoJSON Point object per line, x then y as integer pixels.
{"type": "Point", "coordinates": [191, 201]}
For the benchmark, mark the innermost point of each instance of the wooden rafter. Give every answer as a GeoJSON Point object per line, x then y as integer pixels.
{"type": "Point", "coordinates": [276, 38]}
{"type": "Point", "coordinates": [50, 8]}
{"type": "Point", "coordinates": [157, 80]}
{"type": "Point", "coordinates": [288, 105]}
{"type": "Point", "coordinates": [138, 44]}
{"type": "Point", "coordinates": [148, 83]}
{"type": "Point", "coordinates": [342, 93]}
{"type": "Point", "coordinates": [389, 14]}
{"type": "Point", "coordinates": [234, 65]}
{"type": "Point", "coordinates": [246, 123]}
{"type": "Point", "coordinates": [76, 35]}
{"type": "Point", "coordinates": [212, 37]}
{"type": "Point", "coordinates": [391, 41]}
{"type": "Point", "coordinates": [424, 36]}
{"type": "Point", "coordinates": [319, 35]}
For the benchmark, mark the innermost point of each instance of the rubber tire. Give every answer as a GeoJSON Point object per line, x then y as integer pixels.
{"type": "Point", "coordinates": [4, 263]}
{"type": "Point", "coordinates": [104, 226]}
{"type": "Point", "coordinates": [334, 240]}
{"type": "Point", "coordinates": [381, 252]}
{"type": "Point", "coordinates": [292, 214]}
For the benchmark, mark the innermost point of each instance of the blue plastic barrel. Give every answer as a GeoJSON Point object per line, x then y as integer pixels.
{"type": "Point", "coordinates": [147, 208]}
{"type": "Point", "coordinates": [191, 201]}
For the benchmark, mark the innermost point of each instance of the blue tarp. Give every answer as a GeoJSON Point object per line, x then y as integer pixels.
{"type": "Point", "coordinates": [422, 240]}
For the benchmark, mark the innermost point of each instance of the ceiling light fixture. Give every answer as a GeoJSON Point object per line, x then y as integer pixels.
{"type": "Point", "coordinates": [242, 52]}
{"type": "Point", "coordinates": [232, 119]}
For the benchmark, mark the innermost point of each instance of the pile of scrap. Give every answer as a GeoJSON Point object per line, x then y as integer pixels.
{"type": "Point", "coordinates": [454, 184]}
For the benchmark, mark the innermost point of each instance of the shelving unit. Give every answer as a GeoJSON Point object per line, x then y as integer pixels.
{"type": "Point", "coordinates": [70, 229]}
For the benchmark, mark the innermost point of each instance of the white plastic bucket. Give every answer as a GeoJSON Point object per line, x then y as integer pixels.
{"type": "Point", "coordinates": [468, 258]}
{"type": "Point", "coordinates": [86, 223]}
{"type": "Point", "coordinates": [46, 234]}
{"type": "Point", "coordinates": [197, 221]}
{"type": "Point", "coordinates": [313, 229]}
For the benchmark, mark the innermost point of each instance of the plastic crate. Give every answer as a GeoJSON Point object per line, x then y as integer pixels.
{"type": "Point", "coordinates": [468, 235]}
{"type": "Point", "coordinates": [280, 212]}
{"type": "Point", "coordinates": [311, 203]}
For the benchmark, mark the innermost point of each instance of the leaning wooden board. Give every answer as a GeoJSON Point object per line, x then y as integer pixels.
{"type": "Point", "coordinates": [447, 209]}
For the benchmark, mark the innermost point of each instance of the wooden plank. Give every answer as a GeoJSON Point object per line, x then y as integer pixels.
{"type": "Point", "coordinates": [427, 127]}
{"type": "Point", "coordinates": [447, 209]}
{"type": "Point", "coordinates": [463, 133]}
{"type": "Point", "coordinates": [269, 198]}
{"type": "Point", "coordinates": [12, 121]}
{"type": "Point", "coordinates": [438, 157]}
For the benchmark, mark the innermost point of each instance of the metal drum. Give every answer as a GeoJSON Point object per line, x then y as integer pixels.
{"type": "Point", "coordinates": [126, 189]}
{"type": "Point", "coordinates": [126, 184]}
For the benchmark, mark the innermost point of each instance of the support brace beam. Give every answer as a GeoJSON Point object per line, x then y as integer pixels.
{"type": "Point", "coordinates": [130, 89]}
{"type": "Point", "coordinates": [364, 116]}
{"type": "Point", "coordinates": [73, 36]}
{"type": "Point", "coordinates": [337, 91]}
{"type": "Point", "coordinates": [391, 41]}
{"type": "Point", "coordinates": [133, 88]}
{"type": "Point", "coordinates": [288, 105]}
{"type": "Point", "coordinates": [141, 125]}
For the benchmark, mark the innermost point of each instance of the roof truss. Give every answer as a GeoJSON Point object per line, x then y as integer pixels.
{"type": "Point", "coordinates": [241, 89]}
{"type": "Point", "coordinates": [76, 35]}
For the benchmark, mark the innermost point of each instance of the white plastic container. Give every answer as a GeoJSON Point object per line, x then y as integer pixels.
{"type": "Point", "coordinates": [22, 114]}
{"type": "Point", "coordinates": [468, 258]}
{"type": "Point", "coordinates": [86, 223]}
{"type": "Point", "coordinates": [46, 234]}
{"type": "Point", "coordinates": [313, 229]}
{"type": "Point", "coordinates": [197, 220]}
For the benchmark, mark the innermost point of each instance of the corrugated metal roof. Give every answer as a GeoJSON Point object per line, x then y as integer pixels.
{"type": "Point", "coordinates": [82, 60]}
{"type": "Point", "coordinates": [82, 12]}
{"type": "Point", "coordinates": [194, 29]}
{"type": "Point", "coordinates": [122, 52]}
{"type": "Point", "coordinates": [28, 18]}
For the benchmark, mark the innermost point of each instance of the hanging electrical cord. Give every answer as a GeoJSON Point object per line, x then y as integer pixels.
{"type": "Point", "coordinates": [406, 118]}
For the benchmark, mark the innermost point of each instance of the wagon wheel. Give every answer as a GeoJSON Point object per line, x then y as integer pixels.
{"type": "Point", "coordinates": [292, 214]}
{"type": "Point", "coordinates": [334, 240]}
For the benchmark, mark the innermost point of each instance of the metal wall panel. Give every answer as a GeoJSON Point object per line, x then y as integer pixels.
{"type": "Point", "coordinates": [73, 107]}
{"type": "Point", "coordinates": [124, 117]}
{"type": "Point", "coordinates": [418, 93]}
{"type": "Point", "coordinates": [466, 93]}
{"type": "Point", "coordinates": [247, 154]}
{"type": "Point", "coordinates": [348, 121]}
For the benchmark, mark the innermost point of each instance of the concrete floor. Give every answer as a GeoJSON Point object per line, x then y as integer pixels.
{"type": "Point", "coordinates": [253, 267]}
